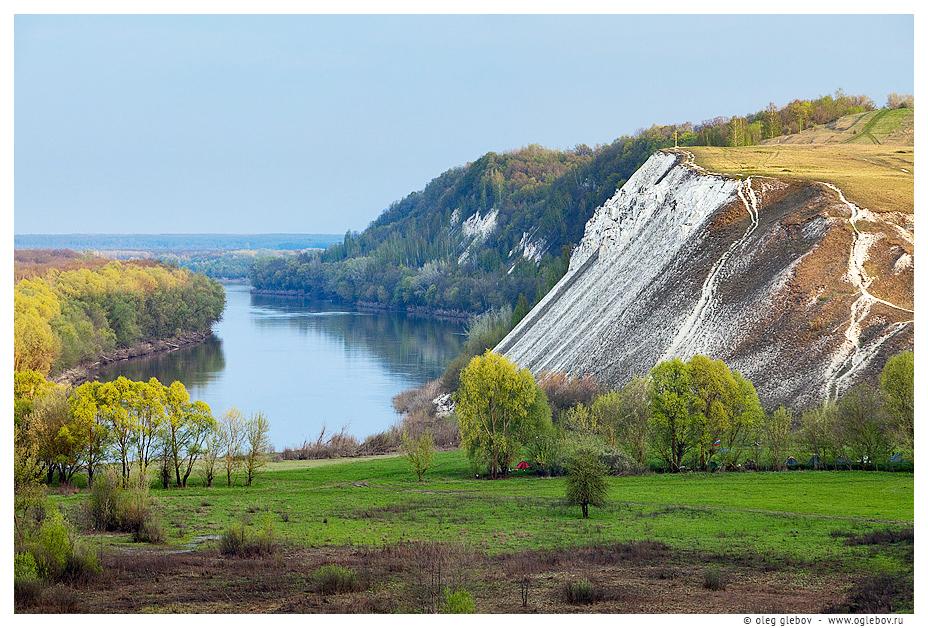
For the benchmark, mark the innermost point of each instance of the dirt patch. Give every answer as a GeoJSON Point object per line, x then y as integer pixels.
{"type": "Point", "coordinates": [408, 577]}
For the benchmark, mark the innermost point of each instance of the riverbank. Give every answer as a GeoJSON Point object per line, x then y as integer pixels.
{"type": "Point", "coordinates": [87, 370]}
{"type": "Point", "coordinates": [374, 306]}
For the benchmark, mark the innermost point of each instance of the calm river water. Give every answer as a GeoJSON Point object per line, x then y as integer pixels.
{"type": "Point", "coordinates": [305, 364]}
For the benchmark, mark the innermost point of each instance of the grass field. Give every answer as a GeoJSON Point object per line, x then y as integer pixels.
{"type": "Point", "coordinates": [783, 542]}
{"type": "Point", "coordinates": [879, 178]}
{"type": "Point", "coordinates": [797, 516]}
{"type": "Point", "coordinates": [882, 126]}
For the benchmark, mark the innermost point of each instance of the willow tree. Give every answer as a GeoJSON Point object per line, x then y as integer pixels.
{"type": "Point", "coordinates": [499, 407]}
{"type": "Point", "coordinates": [91, 409]}
{"type": "Point", "coordinates": [188, 426]}
{"type": "Point", "coordinates": [672, 401]}
{"type": "Point", "coordinates": [897, 383]}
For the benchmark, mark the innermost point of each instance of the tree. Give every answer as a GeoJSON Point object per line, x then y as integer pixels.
{"type": "Point", "coordinates": [147, 415]}
{"type": "Point", "coordinates": [214, 445]}
{"type": "Point", "coordinates": [586, 480]}
{"type": "Point", "coordinates": [579, 418]}
{"type": "Point", "coordinates": [498, 407]}
{"type": "Point", "coordinates": [801, 110]}
{"type": "Point", "coordinates": [90, 408]}
{"type": "Point", "coordinates": [256, 435]}
{"type": "Point", "coordinates": [188, 426]}
{"type": "Point", "coordinates": [715, 393]}
{"type": "Point", "coordinates": [772, 127]}
{"type": "Point", "coordinates": [60, 438]}
{"type": "Point", "coordinates": [746, 418]}
{"type": "Point", "coordinates": [899, 101]}
{"type": "Point", "coordinates": [777, 431]}
{"type": "Point", "coordinates": [233, 435]}
{"type": "Point", "coordinates": [419, 452]}
{"type": "Point", "coordinates": [897, 383]}
{"type": "Point", "coordinates": [817, 432]}
{"type": "Point", "coordinates": [671, 402]}
{"type": "Point", "coordinates": [864, 425]}
{"type": "Point", "coordinates": [115, 398]}
{"type": "Point", "coordinates": [622, 418]}
{"type": "Point", "coordinates": [522, 308]}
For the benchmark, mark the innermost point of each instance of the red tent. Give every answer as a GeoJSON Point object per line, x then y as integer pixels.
{"type": "Point", "coordinates": [522, 466]}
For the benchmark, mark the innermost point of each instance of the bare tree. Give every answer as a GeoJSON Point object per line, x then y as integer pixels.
{"type": "Point", "coordinates": [233, 429]}
{"type": "Point", "coordinates": [213, 450]}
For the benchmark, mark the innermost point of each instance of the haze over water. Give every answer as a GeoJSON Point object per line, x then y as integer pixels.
{"type": "Point", "coordinates": [305, 364]}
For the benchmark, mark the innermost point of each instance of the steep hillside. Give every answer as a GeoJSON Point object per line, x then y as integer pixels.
{"type": "Point", "coordinates": [498, 230]}
{"type": "Point", "coordinates": [894, 127]}
{"type": "Point", "coordinates": [787, 280]}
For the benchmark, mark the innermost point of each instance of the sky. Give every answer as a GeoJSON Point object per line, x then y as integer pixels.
{"type": "Point", "coordinates": [315, 124]}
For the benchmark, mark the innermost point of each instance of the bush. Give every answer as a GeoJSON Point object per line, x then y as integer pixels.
{"type": "Point", "coordinates": [134, 511]}
{"type": "Point", "coordinates": [60, 599]}
{"type": "Point", "coordinates": [26, 584]}
{"type": "Point", "coordinates": [581, 592]}
{"type": "Point", "coordinates": [238, 541]}
{"type": "Point", "coordinates": [883, 593]}
{"type": "Point", "coordinates": [341, 444]}
{"type": "Point", "coordinates": [82, 564]}
{"type": "Point", "coordinates": [419, 453]}
{"type": "Point", "coordinates": [547, 451]}
{"type": "Point", "coordinates": [102, 506]}
{"type": "Point", "coordinates": [712, 578]}
{"type": "Point", "coordinates": [149, 531]}
{"type": "Point", "coordinates": [331, 579]}
{"type": "Point", "coordinates": [53, 547]}
{"type": "Point", "coordinates": [565, 391]}
{"type": "Point", "coordinates": [619, 463]}
{"type": "Point", "coordinates": [114, 508]}
{"type": "Point", "coordinates": [458, 602]}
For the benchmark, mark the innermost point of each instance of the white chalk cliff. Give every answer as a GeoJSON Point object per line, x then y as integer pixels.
{"type": "Point", "coordinates": [776, 278]}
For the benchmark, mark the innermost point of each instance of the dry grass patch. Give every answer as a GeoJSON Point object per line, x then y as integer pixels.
{"type": "Point", "coordinates": [879, 178]}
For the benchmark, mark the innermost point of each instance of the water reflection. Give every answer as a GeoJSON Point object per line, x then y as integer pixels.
{"type": "Point", "coordinates": [305, 363]}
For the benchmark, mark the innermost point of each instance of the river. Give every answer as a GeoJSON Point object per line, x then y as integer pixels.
{"type": "Point", "coordinates": [305, 363]}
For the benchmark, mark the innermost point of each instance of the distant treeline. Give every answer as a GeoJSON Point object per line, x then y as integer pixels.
{"type": "Point", "coordinates": [482, 235]}
{"type": "Point", "coordinates": [65, 316]}
{"type": "Point", "coordinates": [176, 242]}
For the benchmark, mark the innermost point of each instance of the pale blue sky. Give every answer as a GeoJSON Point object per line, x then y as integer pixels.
{"type": "Point", "coordinates": [243, 124]}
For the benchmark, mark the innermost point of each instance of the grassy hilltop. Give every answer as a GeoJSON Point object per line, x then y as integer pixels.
{"type": "Point", "coordinates": [879, 178]}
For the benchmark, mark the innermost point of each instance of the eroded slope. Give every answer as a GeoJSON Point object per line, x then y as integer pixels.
{"type": "Point", "coordinates": [788, 281]}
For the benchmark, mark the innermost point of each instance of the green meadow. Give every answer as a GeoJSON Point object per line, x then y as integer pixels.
{"type": "Point", "coordinates": [802, 518]}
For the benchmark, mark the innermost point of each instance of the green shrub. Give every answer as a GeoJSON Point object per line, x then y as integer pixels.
{"type": "Point", "coordinates": [82, 565]}
{"type": "Point", "coordinates": [53, 547]}
{"type": "Point", "coordinates": [330, 579]}
{"type": "Point", "coordinates": [712, 578]}
{"type": "Point", "coordinates": [102, 506]}
{"type": "Point", "coordinates": [135, 513]}
{"type": "Point", "coordinates": [240, 542]}
{"type": "Point", "coordinates": [581, 592]}
{"type": "Point", "coordinates": [619, 463]}
{"type": "Point", "coordinates": [150, 531]}
{"type": "Point", "coordinates": [26, 584]}
{"type": "Point", "coordinates": [458, 601]}
{"type": "Point", "coordinates": [114, 508]}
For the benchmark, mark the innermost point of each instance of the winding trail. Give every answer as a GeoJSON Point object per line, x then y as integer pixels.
{"type": "Point", "coordinates": [688, 336]}
{"type": "Point", "coordinates": [851, 357]}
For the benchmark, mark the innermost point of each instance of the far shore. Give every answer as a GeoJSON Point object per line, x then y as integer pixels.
{"type": "Point", "coordinates": [87, 370]}
{"type": "Point", "coordinates": [372, 306]}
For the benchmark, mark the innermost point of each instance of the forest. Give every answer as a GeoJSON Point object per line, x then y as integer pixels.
{"type": "Point", "coordinates": [424, 252]}
{"type": "Point", "coordinates": [68, 310]}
